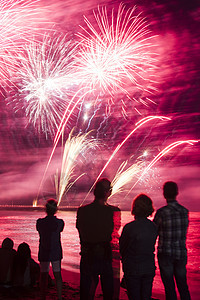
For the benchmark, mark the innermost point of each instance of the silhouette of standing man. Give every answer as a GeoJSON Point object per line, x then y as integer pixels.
{"type": "Point", "coordinates": [172, 222]}
{"type": "Point", "coordinates": [95, 227]}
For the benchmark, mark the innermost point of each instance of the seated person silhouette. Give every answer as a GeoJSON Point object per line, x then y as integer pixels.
{"type": "Point", "coordinates": [7, 255]}
{"type": "Point", "coordinates": [26, 270]}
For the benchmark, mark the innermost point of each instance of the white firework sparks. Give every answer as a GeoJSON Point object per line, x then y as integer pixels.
{"type": "Point", "coordinates": [125, 176]}
{"type": "Point", "coordinates": [45, 81]}
{"type": "Point", "coordinates": [118, 53]}
{"type": "Point", "coordinates": [74, 146]}
{"type": "Point", "coordinates": [20, 20]}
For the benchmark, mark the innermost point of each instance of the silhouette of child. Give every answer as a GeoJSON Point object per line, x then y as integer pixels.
{"type": "Point", "coordinates": [26, 270]}
{"type": "Point", "coordinates": [50, 249]}
{"type": "Point", "coordinates": [7, 255]}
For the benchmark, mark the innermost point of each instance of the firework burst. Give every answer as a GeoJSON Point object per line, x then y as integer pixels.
{"type": "Point", "coordinates": [117, 52]}
{"type": "Point", "coordinates": [19, 21]}
{"type": "Point", "coordinates": [45, 81]}
{"type": "Point", "coordinates": [74, 146]}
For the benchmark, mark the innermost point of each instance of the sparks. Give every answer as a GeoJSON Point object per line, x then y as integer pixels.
{"type": "Point", "coordinates": [118, 53]}
{"type": "Point", "coordinates": [138, 125]}
{"type": "Point", "coordinates": [46, 80]}
{"type": "Point", "coordinates": [19, 21]}
{"type": "Point", "coordinates": [124, 176]}
{"type": "Point", "coordinates": [74, 146]}
{"type": "Point", "coordinates": [161, 154]}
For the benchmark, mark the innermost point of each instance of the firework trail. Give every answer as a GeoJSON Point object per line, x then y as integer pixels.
{"type": "Point", "coordinates": [46, 80]}
{"type": "Point", "coordinates": [138, 125]}
{"type": "Point", "coordinates": [74, 146]}
{"type": "Point", "coordinates": [161, 154]}
{"type": "Point", "coordinates": [123, 177]}
{"type": "Point", "coordinates": [117, 52]}
{"type": "Point", "coordinates": [68, 112]}
{"type": "Point", "coordinates": [59, 133]}
{"type": "Point", "coordinates": [19, 21]}
{"type": "Point", "coordinates": [91, 118]}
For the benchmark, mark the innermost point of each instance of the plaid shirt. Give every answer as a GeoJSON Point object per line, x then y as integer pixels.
{"type": "Point", "coordinates": [172, 222]}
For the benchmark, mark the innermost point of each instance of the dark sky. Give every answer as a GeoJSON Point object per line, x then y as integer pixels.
{"type": "Point", "coordinates": [25, 151]}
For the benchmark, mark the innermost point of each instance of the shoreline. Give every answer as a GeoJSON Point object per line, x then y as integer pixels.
{"type": "Point", "coordinates": [34, 208]}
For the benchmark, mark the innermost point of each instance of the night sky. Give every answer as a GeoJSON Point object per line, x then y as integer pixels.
{"type": "Point", "coordinates": [25, 147]}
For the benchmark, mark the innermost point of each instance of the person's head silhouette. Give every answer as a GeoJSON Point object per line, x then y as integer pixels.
{"type": "Point", "coordinates": [102, 190]}
{"type": "Point", "coordinates": [51, 207]}
{"type": "Point", "coordinates": [142, 206]}
{"type": "Point", "coordinates": [170, 190]}
{"type": "Point", "coordinates": [7, 243]}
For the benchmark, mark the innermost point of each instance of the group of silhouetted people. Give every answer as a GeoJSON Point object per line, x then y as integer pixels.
{"type": "Point", "coordinates": [17, 268]}
{"type": "Point", "coordinates": [96, 224]}
{"type": "Point", "coordinates": [102, 248]}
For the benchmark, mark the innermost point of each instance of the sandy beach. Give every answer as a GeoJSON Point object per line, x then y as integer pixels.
{"type": "Point", "coordinates": [71, 280]}
{"type": "Point", "coordinates": [71, 289]}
